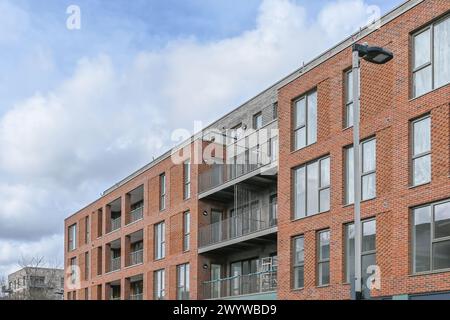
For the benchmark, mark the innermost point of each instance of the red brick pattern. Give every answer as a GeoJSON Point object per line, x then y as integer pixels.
{"type": "Point", "coordinates": [386, 113]}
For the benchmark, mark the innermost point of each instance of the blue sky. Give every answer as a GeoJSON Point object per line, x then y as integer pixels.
{"type": "Point", "coordinates": [80, 109]}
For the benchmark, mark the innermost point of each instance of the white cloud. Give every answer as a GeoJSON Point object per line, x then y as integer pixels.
{"type": "Point", "coordinates": [60, 148]}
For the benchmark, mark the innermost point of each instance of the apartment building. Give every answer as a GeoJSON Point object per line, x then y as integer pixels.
{"type": "Point", "coordinates": [35, 283]}
{"type": "Point", "coordinates": [259, 205]}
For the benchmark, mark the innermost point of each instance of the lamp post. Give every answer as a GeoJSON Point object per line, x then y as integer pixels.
{"type": "Point", "coordinates": [375, 55]}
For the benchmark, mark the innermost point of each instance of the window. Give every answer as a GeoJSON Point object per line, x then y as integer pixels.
{"type": "Point", "coordinates": [305, 120]}
{"type": "Point", "coordinates": [186, 230]}
{"type": "Point", "coordinates": [421, 151]}
{"type": "Point", "coordinates": [312, 188]}
{"type": "Point", "coordinates": [87, 265]}
{"type": "Point", "coordinates": [159, 284]}
{"type": "Point", "coordinates": [187, 179]}
{"type": "Point", "coordinates": [183, 282]}
{"type": "Point", "coordinates": [368, 249]}
{"type": "Point", "coordinates": [237, 132]}
{"type": "Point", "coordinates": [431, 237]}
{"type": "Point", "coordinates": [87, 226]}
{"type": "Point", "coordinates": [323, 258]}
{"type": "Point", "coordinates": [368, 172]}
{"type": "Point", "coordinates": [72, 234]}
{"type": "Point", "coordinates": [160, 241]}
{"type": "Point", "coordinates": [348, 112]}
{"type": "Point", "coordinates": [257, 121]}
{"type": "Point", "coordinates": [299, 262]}
{"type": "Point", "coordinates": [162, 191]}
{"type": "Point", "coordinates": [275, 111]}
{"type": "Point", "coordinates": [431, 57]}
{"type": "Point", "coordinates": [73, 271]}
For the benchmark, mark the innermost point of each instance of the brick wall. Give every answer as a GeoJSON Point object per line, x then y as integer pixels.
{"type": "Point", "coordinates": [385, 113]}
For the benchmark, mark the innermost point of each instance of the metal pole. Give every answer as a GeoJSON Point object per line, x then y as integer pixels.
{"type": "Point", "coordinates": [357, 175]}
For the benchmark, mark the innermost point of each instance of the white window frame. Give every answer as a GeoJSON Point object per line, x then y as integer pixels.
{"type": "Point", "coordinates": [415, 156]}
{"type": "Point", "coordinates": [162, 191]}
{"type": "Point", "coordinates": [159, 285]}
{"type": "Point", "coordinates": [160, 240]}
{"type": "Point", "coordinates": [431, 63]}
{"type": "Point", "coordinates": [186, 230]}
{"type": "Point", "coordinates": [321, 188]}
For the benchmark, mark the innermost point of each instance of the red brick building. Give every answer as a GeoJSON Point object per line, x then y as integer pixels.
{"type": "Point", "coordinates": [272, 217]}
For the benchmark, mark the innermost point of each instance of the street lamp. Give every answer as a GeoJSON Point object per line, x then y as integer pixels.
{"type": "Point", "coordinates": [375, 55]}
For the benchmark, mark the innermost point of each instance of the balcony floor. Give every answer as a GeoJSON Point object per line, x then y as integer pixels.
{"type": "Point", "coordinates": [249, 241]}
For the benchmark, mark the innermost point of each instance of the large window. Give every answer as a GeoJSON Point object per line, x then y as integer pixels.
{"type": "Point", "coordinates": [421, 151]}
{"type": "Point", "coordinates": [160, 241]}
{"type": "Point", "coordinates": [368, 249]}
{"type": "Point", "coordinates": [162, 191]}
{"type": "Point", "coordinates": [312, 188]}
{"type": "Point", "coordinates": [431, 237]}
{"type": "Point", "coordinates": [305, 120]}
{"type": "Point", "coordinates": [431, 58]}
{"type": "Point", "coordinates": [72, 237]}
{"type": "Point", "coordinates": [87, 265]}
{"type": "Point", "coordinates": [257, 121]}
{"type": "Point", "coordinates": [368, 172]}
{"type": "Point", "coordinates": [187, 179]}
{"type": "Point", "coordinates": [299, 262]}
{"type": "Point", "coordinates": [159, 284]}
{"type": "Point", "coordinates": [323, 258]}
{"type": "Point", "coordinates": [87, 229]}
{"type": "Point", "coordinates": [183, 282]}
{"type": "Point", "coordinates": [186, 230]}
{"type": "Point", "coordinates": [348, 112]}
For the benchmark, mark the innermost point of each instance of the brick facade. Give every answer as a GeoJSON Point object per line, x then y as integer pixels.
{"type": "Point", "coordinates": [386, 111]}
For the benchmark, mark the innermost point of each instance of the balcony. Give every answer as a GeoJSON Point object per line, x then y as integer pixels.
{"type": "Point", "coordinates": [246, 164]}
{"type": "Point", "coordinates": [115, 224]}
{"type": "Point", "coordinates": [255, 283]}
{"type": "Point", "coordinates": [138, 296]}
{"type": "Point", "coordinates": [115, 264]}
{"type": "Point", "coordinates": [136, 257]}
{"type": "Point", "coordinates": [243, 224]}
{"type": "Point", "coordinates": [136, 214]}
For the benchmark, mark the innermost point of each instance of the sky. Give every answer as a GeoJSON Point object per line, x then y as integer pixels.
{"type": "Point", "coordinates": [81, 109]}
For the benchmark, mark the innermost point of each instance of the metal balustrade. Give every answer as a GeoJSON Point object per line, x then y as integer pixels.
{"type": "Point", "coordinates": [136, 257]}
{"type": "Point", "coordinates": [115, 224]}
{"type": "Point", "coordinates": [240, 285]}
{"type": "Point", "coordinates": [245, 162]}
{"type": "Point", "coordinates": [115, 264]}
{"type": "Point", "coordinates": [138, 296]}
{"type": "Point", "coordinates": [239, 225]}
{"type": "Point", "coordinates": [136, 214]}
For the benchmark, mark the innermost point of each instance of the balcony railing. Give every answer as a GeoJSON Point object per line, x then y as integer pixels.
{"type": "Point", "coordinates": [242, 224]}
{"type": "Point", "coordinates": [240, 285]}
{"type": "Point", "coordinates": [115, 223]}
{"type": "Point", "coordinates": [138, 296]}
{"type": "Point", "coordinates": [136, 214]}
{"type": "Point", "coordinates": [182, 294]}
{"type": "Point", "coordinates": [115, 264]}
{"type": "Point", "coordinates": [136, 257]}
{"type": "Point", "coordinates": [244, 163]}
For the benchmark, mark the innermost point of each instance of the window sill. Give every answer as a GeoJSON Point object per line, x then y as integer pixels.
{"type": "Point", "coordinates": [428, 273]}
{"type": "Point", "coordinates": [297, 289]}
{"type": "Point", "coordinates": [323, 286]}
{"type": "Point", "coordinates": [419, 185]}
{"type": "Point", "coordinates": [347, 128]}
{"type": "Point", "coordinates": [362, 201]}
{"type": "Point", "coordinates": [303, 148]}
{"type": "Point", "coordinates": [424, 94]}
{"type": "Point", "coordinates": [310, 216]}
